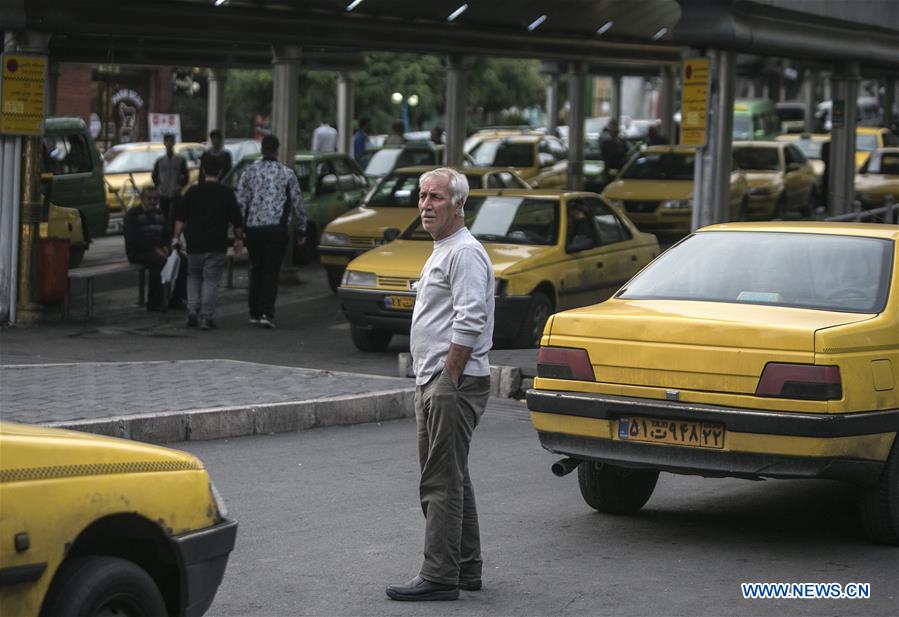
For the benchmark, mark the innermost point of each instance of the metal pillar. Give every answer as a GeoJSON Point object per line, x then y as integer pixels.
{"type": "Point", "coordinates": [285, 78]}
{"type": "Point", "coordinates": [345, 104]}
{"type": "Point", "coordinates": [577, 92]}
{"type": "Point", "coordinates": [889, 99]}
{"type": "Point", "coordinates": [215, 103]}
{"type": "Point", "coordinates": [811, 101]}
{"type": "Point", "coordinates": [616, 98]}
{"type": "Point", "coordinates": [711, 191]}
{"type": "Point", "coordinates": [666, 106]}
{"type": "Point", "coordinates": [843, 115]}
{"type": "Point", "coordinates": [456, 78]}
{"type": "Point", "coordinates": [552, 103]}
{"type": "Point", "coordinates": [52, 88]}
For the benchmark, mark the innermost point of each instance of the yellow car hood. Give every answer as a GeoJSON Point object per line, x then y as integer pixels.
{"type": "Point", "coordinates": [372, 221]}
{"type": "Point", "coordinates": [141, 179]}
{"type": "Point", "coordinates": [24, 446]}
{"type": "Point", "coordinates": [649, 189]}
{"type": "Point", "coordinates": [761, 178]}
{"type": "Point", "coordinates": [405, 258]}
{"type": "Point", "coordinates": [707, 346]}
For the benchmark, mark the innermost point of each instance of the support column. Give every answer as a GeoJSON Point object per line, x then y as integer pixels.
{"type": "Point", "coordinates": [616, 97]}
{"type": "Point", "coordinates": [51, 90]}
{"type": "Point", "coordinates": [215, 103]}
{"type": "Point", "coordinates": [811, 100]}
{"type": "Point", "coordinates": [345, 112]}
{"type": "Point", "coordinates": [577, 92]}
{"type": "Point", "coordinates": [456, 78]}
{"type": "Point", "coordinates": [843, 115]}
{"type": "Point", "coordinates": [712, 190]}
{"type": "Point", "coordinates": [285, 83]}
{"type": "Point", "coordinates": [889, 99]}
{"type": "Point", "coordinates": [552, 103]}
{"type": "Point", "coordinates": [666, 107]}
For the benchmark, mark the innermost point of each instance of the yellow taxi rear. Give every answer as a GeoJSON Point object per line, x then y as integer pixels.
{"type": "Point", "coordinates": [748, 350]}
{"type": "Point", "coordinates": [877, 182]}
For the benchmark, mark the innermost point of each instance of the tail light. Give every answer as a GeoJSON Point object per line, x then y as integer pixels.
{"type": "Point", "coordinates": [564, 363]}
{"type": "Point", "coordinates": [801, 381]}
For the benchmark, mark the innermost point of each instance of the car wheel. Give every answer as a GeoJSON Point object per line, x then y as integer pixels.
{"type": "Point", "coordinates": [100, 586]}
{"type": "Point", "coordinates": [878, 504]}
{"type": "Point", "coordinates": [76, 255]}
{"type": "Point", "coordinates": [780, 211]}
{"type": "Point", "coordinates": [809, 206]}
{"type": "Point", "coordinates": [370, 340]}
{"type": "Point", "coordinates": [615, 490]}
{"type": "Point", "coordinates": [744, 209]}
{"type": "Point", "coordinates": [335, 275]}
{"type": "Point", "coordinates": [535, 320]}
{"type": "Point", "coordinates": [307, 253]}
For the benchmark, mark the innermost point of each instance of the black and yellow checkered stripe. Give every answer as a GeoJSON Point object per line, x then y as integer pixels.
{"type": "Point", "coordinates": [27, 474]}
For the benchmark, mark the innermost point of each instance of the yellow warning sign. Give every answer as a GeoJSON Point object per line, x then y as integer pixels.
{"type": "Point", "coordinates": [22, 92]}
{"type": "Point", "coordinates": [694, 101]}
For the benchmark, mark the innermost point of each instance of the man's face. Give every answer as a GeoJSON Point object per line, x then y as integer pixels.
{"type": "Point", "coordinates": [150, 199]}
{"type": "Point", "coordinates": [439, 216]}
{"type": "Point", "coordinates": [169, 144]}
{"type": "Point", "coordinates": [216, 142]}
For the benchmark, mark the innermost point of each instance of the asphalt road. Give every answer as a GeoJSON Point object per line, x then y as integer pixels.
{"type": "Point", "coordinates": [329, 517]}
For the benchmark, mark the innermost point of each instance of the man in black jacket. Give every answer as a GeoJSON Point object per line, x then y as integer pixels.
{"type": "Point", "coordinates": [146, 244]}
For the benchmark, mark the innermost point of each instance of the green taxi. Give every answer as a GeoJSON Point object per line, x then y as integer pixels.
{"type": "Point", "coordinates": [332, 183]}
{"type": "Point", "coordinates": [550, 251]}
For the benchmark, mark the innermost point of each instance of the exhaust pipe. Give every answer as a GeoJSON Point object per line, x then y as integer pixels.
{"type": "Point", "coordinates": [565, 466]}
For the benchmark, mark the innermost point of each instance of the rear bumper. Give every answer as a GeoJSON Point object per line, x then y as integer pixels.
{"type": "Point", "coordinates": [203, 556]}
{"type": "Point", "coordinates": [758, 444]}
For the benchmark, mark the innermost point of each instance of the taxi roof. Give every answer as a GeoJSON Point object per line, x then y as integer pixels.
{"type": "Point", "coordinates": [545, 194]}
{"type": "Point", "coordinates": [475, 171]}
{"type": "Point", "coordinates": [871, 230]}
{"type": "Point", "coordinates": [769, 143]}
{"type": "Point", "coordinates": [154, 145]}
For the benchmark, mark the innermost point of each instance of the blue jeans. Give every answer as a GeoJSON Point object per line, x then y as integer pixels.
{"type": "Point", "coordinates": [204, 273]}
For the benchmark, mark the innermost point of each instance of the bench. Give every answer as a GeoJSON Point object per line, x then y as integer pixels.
{"type": "Point", "coordinates": [90, 273]}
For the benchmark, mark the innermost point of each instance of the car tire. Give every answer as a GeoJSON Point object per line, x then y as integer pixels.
{"type": "Point", "coordinates": [94, 585]}
{"type": "Point", "coordinates": [335, 276]}
{"type": "Point", "coordinates": [535, 319]}
{"type": "Point", "coordinates": [809, 206]}
{"type": "Point", "coordinates": [781, 209]}
{"type": "Point", "coordinates": [307, 253]}
{"type": "Point", "coordinates": [744, 209]}
{"type": "Point", "coordinates": [76, 256]}
{"type": "Point", "coordinates": [370, 340]}
{"type": "Point", "coordinates": [615, 490]}
{"type": "Point", "coordinates": [878, 504]}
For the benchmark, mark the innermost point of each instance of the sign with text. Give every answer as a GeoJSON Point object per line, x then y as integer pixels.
{"type": "Point", "coordinates": [22, 94]}
{"type": "Point", "coordinates": [162, 124]}
{"type": "Point", "coordinates": [694, 101]}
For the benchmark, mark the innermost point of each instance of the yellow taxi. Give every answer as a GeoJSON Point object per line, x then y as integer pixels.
{"type": "Point", "coordinates": [748, 350]}
{"type": "Point", "coordinates": [392, 205]}
{"type": "Point", "coordinates": [550, 251]}
{"type": "Point", "coordinates": [128, 168]}
{"type": "Point", "coordinates": [101, 526]}
{"type": "Point", "coordinates": [868, 139]}
{"type": "Point", "coordinates": [877, 182]}
{"type": "Point", "coordinates": [811, 145]}
{"type": "Point", "coordinates": [781, 179]}
{"type": "Point", "coordinates": [542, 160]}
{"type": "Point", "coordinates": [656, 189]}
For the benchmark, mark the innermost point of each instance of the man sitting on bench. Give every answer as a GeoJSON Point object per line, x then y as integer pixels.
{"type": "Point", "coordinates": [146, 243]}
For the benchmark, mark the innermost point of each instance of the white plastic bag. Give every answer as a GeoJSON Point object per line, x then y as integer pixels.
{"type": "Point", "coordinates": [170, 269]}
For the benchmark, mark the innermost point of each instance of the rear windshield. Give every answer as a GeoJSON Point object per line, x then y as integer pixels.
{"type": "Point", "coordinates": [810, 147]}
{"type": "Point", "coordinates": [303, 170]}
{"type": "Point", "coordinates": [660, 166]}
{"type": "Point", "coordinates": [386, 160]}
{"type": "Point", "coordinates": [125, 161]}
{"type": "Point", "coordinates": [496, 153]}
{"type": "Point", "coordinates": [757, 159]}
{"type": "Point", "coordinates": [865, 143]}
{"type": "Point", "coordinates": [399, 190]}
{"type": "Point", "coordinates": [510, 220]}
{"type": "Point", "coordinates": [816, 271]}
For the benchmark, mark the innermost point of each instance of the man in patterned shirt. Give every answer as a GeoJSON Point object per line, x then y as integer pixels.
{"type": "Point", "coordinates": [267, 192]}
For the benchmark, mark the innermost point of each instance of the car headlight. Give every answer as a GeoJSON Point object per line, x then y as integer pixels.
{"type": "Point", "coordinates": [335, 239]}
{"type": "Point", "coordinates": [762, 190]}
{"type": "Point", "coordinates": [677, 204]}
{"type": "Point", "coordinates": [219, 502]}
{"type": "Point", "coordinates": [359, 279]}
{"type": "Point", "coordinates": [500, 287]}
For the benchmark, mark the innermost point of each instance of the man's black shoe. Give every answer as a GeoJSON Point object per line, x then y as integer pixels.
{"type": "Point", "coordinates": [473, 585]}
{"type": "Point", "coordinates": [421, 590]}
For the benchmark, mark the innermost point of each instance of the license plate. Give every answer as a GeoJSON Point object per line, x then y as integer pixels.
{"type": "Point", "coordinates": [400, 303]}
{"type": "Point", "coordinates": [676, 432]}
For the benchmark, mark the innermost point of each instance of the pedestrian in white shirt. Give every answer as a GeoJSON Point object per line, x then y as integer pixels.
{"type": "Point", "coordinates": [324, 138]}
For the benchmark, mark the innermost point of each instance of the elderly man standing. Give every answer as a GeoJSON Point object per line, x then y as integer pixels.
{"type": "Point", "coordinates": [452, 331]}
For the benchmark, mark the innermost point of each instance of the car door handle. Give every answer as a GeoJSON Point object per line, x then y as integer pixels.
{"type": "Point", "coordinates": [633, 258]}
{"type": "Point", "coordinates": [599, 264]}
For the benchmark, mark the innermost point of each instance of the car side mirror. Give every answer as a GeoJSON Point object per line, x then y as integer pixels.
{"type": "Point", "coordinates": [545, 159]}
{"type": "Point", "coordinates": [328, 184]}
{"type": "Point", "coordinates": [391, 234]}
{"type": "Point", "coordinates": [579, 243]}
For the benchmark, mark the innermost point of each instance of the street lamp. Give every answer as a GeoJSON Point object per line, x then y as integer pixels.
{"type": "Point", "coordinates": [397, 98]}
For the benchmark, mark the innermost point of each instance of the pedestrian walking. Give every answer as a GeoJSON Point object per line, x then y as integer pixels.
{"type": "Point", "coordinates": [324, 138]}
{"type": "Point", "coordinates": [204, 215]}
{"type": "Point", "coordinates": [452, 330]}
{"type": "Point", "coordinates": [268, 192]}
{"type": "Point", "coordinates": [397, 136]}
{"type": "Point", "coordinates": [169, 177]}
{"type": "Point", "coordinates": [216, 150]}
{"type": "Point", "coordinates": [360, 139]}
{"type": "Point", "coordinates": [146, 244]}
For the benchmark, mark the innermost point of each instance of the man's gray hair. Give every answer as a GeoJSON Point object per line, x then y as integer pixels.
{"type": "Point", "coordinates": [458, 183]}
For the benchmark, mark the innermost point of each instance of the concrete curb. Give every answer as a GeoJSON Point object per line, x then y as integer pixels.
{"type": "Point", "coordinates": [270, 418]}
{"type": "Point", "coordinates": [505, 381]}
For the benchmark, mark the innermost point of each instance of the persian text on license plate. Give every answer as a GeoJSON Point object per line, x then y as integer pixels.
{"type": "Point", "coordinates": [400, 303]}
{"type": "Point", "coordinates": [677, 432]}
